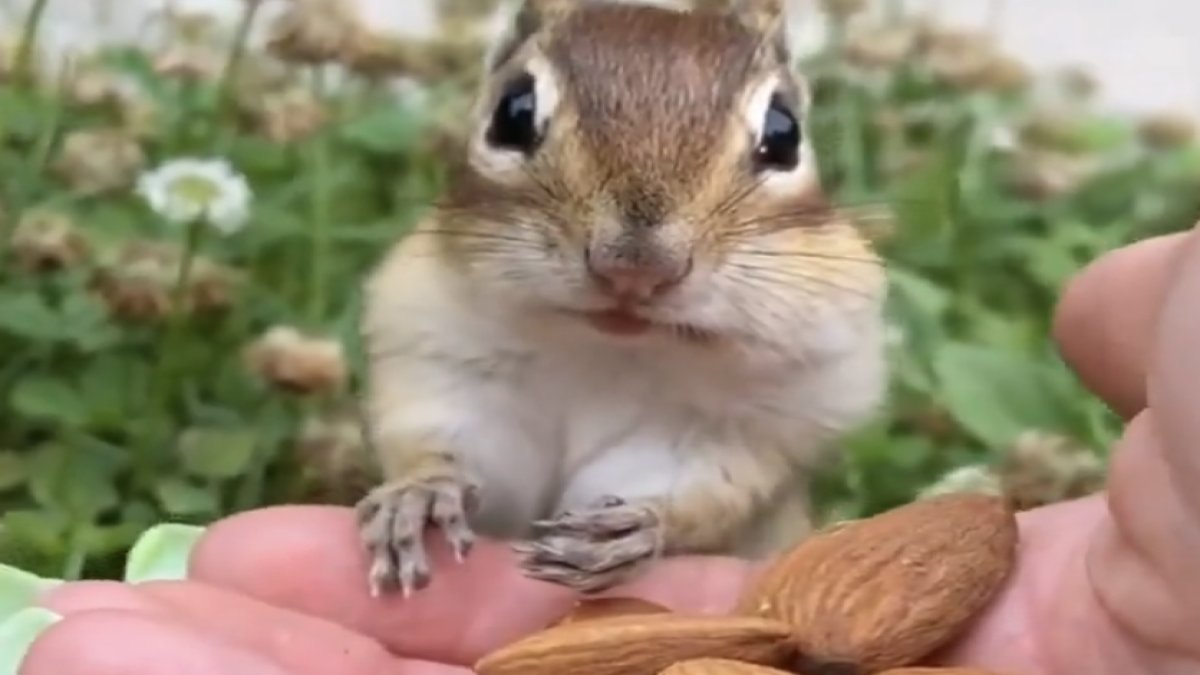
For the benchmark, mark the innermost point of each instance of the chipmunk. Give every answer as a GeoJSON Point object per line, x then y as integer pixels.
{"type": "Point", "coordinates": [634, 321]}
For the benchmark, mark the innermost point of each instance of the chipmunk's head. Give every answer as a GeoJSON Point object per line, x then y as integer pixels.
{"type": "Point", "coordinates": [645, 167]}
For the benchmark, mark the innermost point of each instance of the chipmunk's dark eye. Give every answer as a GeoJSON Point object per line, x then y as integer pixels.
{"type": "Point", "coordinates": [514, 121]}
{"type": "Point", "coordinates": [779, 147]}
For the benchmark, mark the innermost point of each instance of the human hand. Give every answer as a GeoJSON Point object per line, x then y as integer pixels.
{"type": "Point", "coordinates": [1103, 584]}
{"type": "Point", "coordinates": [282, 590]}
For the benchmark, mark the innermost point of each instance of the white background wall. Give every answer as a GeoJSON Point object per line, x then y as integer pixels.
{"type": "Point", "coordinates": [1145, 52]}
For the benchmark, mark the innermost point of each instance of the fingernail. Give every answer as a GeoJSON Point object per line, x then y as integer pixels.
{"type": "Point", "coordinates": [20, 589]}
{"type": "Point", "coordinates": [18, 633]}
{"type": "Point", "coordinates": [162, 553]}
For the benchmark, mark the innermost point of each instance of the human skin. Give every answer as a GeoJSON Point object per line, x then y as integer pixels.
{"type": "Point", "coordinates": [1105, 584]}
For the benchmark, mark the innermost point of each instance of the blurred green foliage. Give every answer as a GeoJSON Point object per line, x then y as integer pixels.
{"type": "Point", "coordinates": [112, 423]}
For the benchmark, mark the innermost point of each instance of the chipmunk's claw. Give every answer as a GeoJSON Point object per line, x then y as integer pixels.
{"type": "Point", "coordinates": [392, 520]}
{"type": "Point", "coordinates": [593, 549]}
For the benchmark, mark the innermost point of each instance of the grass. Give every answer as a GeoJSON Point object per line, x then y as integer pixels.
{"type": "Point", "coordinates": [158, 370]}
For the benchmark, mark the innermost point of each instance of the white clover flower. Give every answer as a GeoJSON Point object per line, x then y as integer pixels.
{"type": "Point", "coordinates": [191, 189]}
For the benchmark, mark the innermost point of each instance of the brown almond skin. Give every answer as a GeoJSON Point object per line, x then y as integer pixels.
{"type": "Point", "coordinates": [720, 667]}
{"type": "Point", "coordinates": [940, 671]}
{"type": "Point", "coordinates": [885, 592]}
{"type": "Point", "coordinates": [599, 608]}
{"type": "Point", "coordinates": [641, 645]}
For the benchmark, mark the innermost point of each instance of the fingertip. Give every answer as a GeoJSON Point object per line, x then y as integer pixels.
{"type": "Point", "coordinates": [121, 642]}
{"type": "Point", "coordinates": [310, 559]}
{"type": "Point", "coordinates": [1104, 321]}
{"type": "Point", "coordinates": [258, 537]}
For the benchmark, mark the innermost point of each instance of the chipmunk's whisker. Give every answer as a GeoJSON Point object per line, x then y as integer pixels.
{"type": "Point", "coordinates": [481, 236]}
{"type": "Point", "coordinates": [776, 276]}
{"type": "Point", "coordinates": [775, 253]}
{"type": "Point", "coordinates": [735, 199]}
{"type": "Point", "coordinates": [812, 216]}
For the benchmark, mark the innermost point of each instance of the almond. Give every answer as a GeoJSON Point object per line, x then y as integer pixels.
{"type": "Point", "coordinates": [720, 667]}
{"type": "Point", "coordinates": [884, 592]}
{"type": "Point", "coordinates": [641, 645]}
{"type": "Point", "coordinates": [597, 608]}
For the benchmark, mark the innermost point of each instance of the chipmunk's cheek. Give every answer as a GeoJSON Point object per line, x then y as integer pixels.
{"type": "Point", "coordinates": [617, 322]}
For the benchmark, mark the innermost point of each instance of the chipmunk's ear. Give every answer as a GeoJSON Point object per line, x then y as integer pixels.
{"type": "Point", "coordinates": [768, 18]}
{"type": "Point", "coordinates": [532, 17]}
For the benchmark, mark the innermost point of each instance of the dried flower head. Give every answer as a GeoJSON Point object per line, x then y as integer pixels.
{"type": "Point", "coordinates": [290, 115]}
{"type": "Point", "coordinates": [1041, 175]}
{"type": "Point", "coordinates": [46, 240]}
{"type": "Point", "coordinates": [141, 117]}
{"type": "Point", "coordinates": [333, 459]}
{"type": "Point", "coordinates": [1037, 469]}
{"type": "Point", "coordinates": [960, 58]}
{"type": "Point", "coordinates": [191, 62]}
{"type": "Point", "coordinates": [137, 284]}
{"type": "Point", "coordinates": [1044, 468]}
{"type": "Point", "coordinates": [260, 74]}
{"type": "Point", "coordinates": [453, 56]}
{"type": "Point", "coordinates": [94, 84]}
{"type": "Point", "coordinates": [1077, 82]}
{"type": "Point", "coordinates": [96, 161]}
{"type": "Point", "coordinates": [872, 46]}
{"type": "Point", "coordinates": [372, 54]}
{"type": "Point", "coordinates": [191, 190]}
{"type": "Point", "coordinates": [1053, 128]}
{"type": "Point", "coordinates": [211, 287]}
{"type": "Point", "coordinates": [974, 479]}
{"type": "Point", "coordinates": [296, 363]}
{"type": "Point", "coordinates": [313, 31]}
{"type": "Point", "coordinates": [1168, 130]}
{"type": "Point", "coordinates": [1006, 74]}
{"type": "Point", "coordinates": [191, 23]}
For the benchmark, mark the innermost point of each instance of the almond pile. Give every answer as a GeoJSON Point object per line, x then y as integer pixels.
{"type": "Point", "coordinates": [877, 596]}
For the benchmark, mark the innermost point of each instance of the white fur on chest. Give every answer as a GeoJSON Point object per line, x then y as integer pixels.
{"type": "Point", "coordinates": [553, 415]}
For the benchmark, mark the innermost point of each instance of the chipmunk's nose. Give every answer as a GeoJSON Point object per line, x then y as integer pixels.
{"type": "Point", "coordinates": [639, 281]}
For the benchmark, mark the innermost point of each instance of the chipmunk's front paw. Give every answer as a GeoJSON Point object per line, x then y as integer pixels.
{"type": "Point", "coordinates": [392, 520]}
{"type": "Point", "coordinates": [593, 549]}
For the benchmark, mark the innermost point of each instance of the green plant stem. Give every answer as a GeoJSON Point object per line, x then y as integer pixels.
{"type": "Point", "coordinates": [23, 62]}
{"type": "Point", "coordinates": [76, 556]}
{"type": "Point", "coordinates": [237, 53]}
{"type": "Point", "coordinates": [278, 416]}
{"type": "Point", "coordinates": [192, 241]}
{"type": "Point", "coordinates": [321, 214]}
{"type": "Point", "coordinates": [44, 145]}
{"type": "Point", "coordinates": [166, 364]}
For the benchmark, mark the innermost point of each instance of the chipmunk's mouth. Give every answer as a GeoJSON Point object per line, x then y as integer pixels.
{"type": "Point", "coordinates": [622, 322]}
{"type": "Point", "coordinates": [618, 321]}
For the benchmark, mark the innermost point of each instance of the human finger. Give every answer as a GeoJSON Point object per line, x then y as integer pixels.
{"type": "Point", "coordinates": [302, 644]}
{"type": "Point", "coordinates": [469, 608]}
{"type": "Point", "coordinates": [122, 642]}
{"type": "Point", "coordinates": [1105, 321]}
